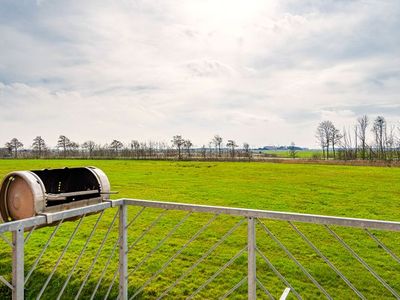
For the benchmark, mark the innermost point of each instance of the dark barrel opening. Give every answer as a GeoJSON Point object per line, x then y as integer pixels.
{"type": "Point", "coordinates": [69, 180]}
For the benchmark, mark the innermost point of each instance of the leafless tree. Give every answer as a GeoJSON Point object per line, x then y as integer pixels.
{"type": "Point", "coordinates": [14, 145]}
{"type": "Point", "coordinates": [203, 152]}
{"type": "Point", "coordinates": [38, 145]}
{"type": "Point", "coordinates": [379, 130]}
{"type": "Point", "coordinates": [336, 136]}
{"type": "Point", "coordinates": [89, 146]}
{"type": "Point", "coordinates": [187, 144]}
{"type": "Point", "coordinates": [178, 142]}
{"type": "Point", "coordinates": [232, 145]}
{"type": "Point", "coordinates": [246, 150]}
{"type": "Point", "coordinates": [324, 134]}
{"type": "Point", "coordinates": [63, 143]}
{"type": "Point", "coordinates": [217, 140]}
{"type": "Point", "coordinates": [135, 145]}
{"type": "Point", "coordinates": [116, 145]}
{"type": "Point", "coordinates": [362, 124]}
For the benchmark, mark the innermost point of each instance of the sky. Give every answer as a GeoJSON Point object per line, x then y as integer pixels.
{"type": "Point", "coordinates": [262, 72]}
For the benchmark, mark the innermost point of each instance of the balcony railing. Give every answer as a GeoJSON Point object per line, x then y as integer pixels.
{"type": "Point", "coordinates": [160, 250]}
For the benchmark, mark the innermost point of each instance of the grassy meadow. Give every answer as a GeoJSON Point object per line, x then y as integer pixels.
{"type": "Point", "coordinates": [364, 192]}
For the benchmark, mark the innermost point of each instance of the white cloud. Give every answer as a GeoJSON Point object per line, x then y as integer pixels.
{"type": "Point", "coordinates": [262, 71]}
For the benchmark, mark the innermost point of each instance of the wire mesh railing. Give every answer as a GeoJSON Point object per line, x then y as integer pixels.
{"type": "Point", "coordinates": [137, 249]}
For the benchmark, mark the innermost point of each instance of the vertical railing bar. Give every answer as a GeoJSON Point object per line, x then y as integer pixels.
{"type": "Point", "coordinates": [288, 253]}
{"type": "Point", "coordinates": [60, 257]}
{"type": "Point", "coordinates": [42, 252]}
{"type": "Point", "coordinates": [380, 243]}
{"type": "Point", "coordinates": [6, 240]}
{"type": "Point", "coordinates": [123, 253]}
{"type": "Point", "coordinates": [30, 234]}
{"type": "Point", "coordinates": [80, 255]}
{"type": "Point", "coordinates": [220, 270]}
{"type": "Point", "coordinates": [105, 268]}
{"type": "Point", "coordinates": [156, 220]}
{"type": "Point", "coordinates": [117, 270]}
{"type": "Point", "coordinates": [327, 261]}
{"type": "Point", "coordinates": [97, 255]}
{"type": "Point", "coordinates": [175, 255]}
{"type": "Point", "coordinates": [18, 264]}
{"type": "Point", "coordinates": [234, 288]}
{"type": "Point", "coordinates": [265, 290]}
{"type": "Point", "coordinates": [277, 273]}
{"type": "Point", "coordinates": [361, 261]}
{"type": "Point", "coordinates": [251, 260]}
{"type": "Point", "coordinates": [184, 274]}
{"type": "Point", "coordinates": [171, 232]}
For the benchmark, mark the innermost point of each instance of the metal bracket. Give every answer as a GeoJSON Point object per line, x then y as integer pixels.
{"type": "Point", "coordinates": [112, 202]}
{"type": "Point", "coordinates": [49, 217]}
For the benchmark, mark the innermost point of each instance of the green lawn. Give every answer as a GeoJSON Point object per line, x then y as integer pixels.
{"type": "Point", "coordinates": [366, 192]}
{"type": "Point", "coordinates": [307, 154]}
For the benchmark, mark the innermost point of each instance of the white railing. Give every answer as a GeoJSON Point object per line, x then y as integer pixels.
{"type": "Point", "coordinates": [268, 262]}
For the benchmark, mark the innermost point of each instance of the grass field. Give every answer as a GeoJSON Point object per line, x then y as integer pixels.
{"type": "Point", "coordinates": [366, 192]}
{"type": "Point", "coordinates": [305, 154]}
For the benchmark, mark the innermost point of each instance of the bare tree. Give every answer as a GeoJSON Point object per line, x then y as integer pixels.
{"type": "Point", "coordinates": [135, 145]}
{"type": "Point", "coordinates": [247, 151]}
{"type": "Point", "coordinates": [178, 142]}
{"type": "Point", "coordinates": [379, 130]}
{"type": "Point", "coordinates": [292, 150]}
{"type": "Point", "coordinates": [89, 146]}
{"type": "Point", "coordinates": [116, 145]}
{"type": "Point", "coordinates": [324, 134]}
{"type": "Point", "coordinates": [187, 144]}
{"type": "Point", "coordinates": [362, 124]}
{"type": "Point", "coordinates": [14, 145]}
{"type": "Point", "coordinates": [232, 145]}
{"type": "Point", "coordinates": [38, 145]}
{"type": "Point", "coordinates": [336, 136]}
{"type": "Point", "coordinates": [63, 143]}
{"type": "Point", "coordinates": [203, 152]}
{"type": "Point", "coordinates": [217, 140]}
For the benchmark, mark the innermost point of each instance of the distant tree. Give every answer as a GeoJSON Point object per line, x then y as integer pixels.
{"type": "Point", "coordinates": [232, 145]}
{"type": "Point", "coordinates": [14, 145]}
{"type": "Point", "coordinates": [63, 143]}
{"type": "Point", "coordinates": [362, 124]}
{"type": "Point", "coordinates": [217, 140]}
{"type": "Point", "coordinates": [38, 145]}
{"type": "Point", "coordinates": [187, 144]}
{"type": "Point", "coordinates": [135, 145]}
{"type": "Point", "coordinates": [203, 152]}
{"type": "Point", "coordinates": [379, 130]}
{"type": "Point", "coordinates": [324, 135]}
{"type": "Point", "coordinates": [246, 150]}
{"type": "Point", "coordinates": [89, 146]}
{"type": "Point", "coordinates": [116, 145]}
{"type": "Point", "coordinates": [292, 150]}
{"type": "Point", "coordinates": [336, 137]}
{"type": "Point", "coordinates": [178, 142]}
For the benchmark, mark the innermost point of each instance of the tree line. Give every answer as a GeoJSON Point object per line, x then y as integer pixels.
{"type": "Point", "coordinates": [368, 139]}
{"type": "Point", "coordinates": [178, 148]}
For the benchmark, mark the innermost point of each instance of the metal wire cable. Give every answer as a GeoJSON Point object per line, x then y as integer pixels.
{"type": "Point", "coordinates": [283, 247]}
{"type": "Point", "coordinates": [234, 288]}
{"type": "Point", "coordinates": [175, 255]}
{"type": "Point", "coordinates": [394, 256]}
{"type": "Point", "coordinates": [327, 261]}
{"type": "Point", "coordinates": [210, 250]}
{"type": "Point", "coordinates": [360, 260]}
{"type": "Point", "coordinates": [265, 289]}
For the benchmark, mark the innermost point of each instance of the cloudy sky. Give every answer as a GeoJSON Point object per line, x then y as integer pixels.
{"type": "Point", "coordinates": [264, 72]}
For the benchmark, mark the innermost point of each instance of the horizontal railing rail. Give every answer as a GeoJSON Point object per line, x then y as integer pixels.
{"type": "Point", "coordinates": [125, 249]}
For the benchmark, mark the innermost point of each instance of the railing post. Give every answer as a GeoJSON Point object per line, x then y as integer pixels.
{"type": "Point", "coordinates": [18, 264]}
{"type": "Point", "coordinates": [123, 249]}
{"type": "Point", "coordinates": [251, 259]}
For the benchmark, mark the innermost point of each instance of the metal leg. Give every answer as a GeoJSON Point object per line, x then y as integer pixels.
{"type": "Point", "coordinates": [18, 264]}
{"type": "Point", "coordinates": [123, 256]}
{"type": "Point", "coordinates": [251, 260]}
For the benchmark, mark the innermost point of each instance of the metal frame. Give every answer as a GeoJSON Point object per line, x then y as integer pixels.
{"type": "Point", "coordinates": [252, 216]}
